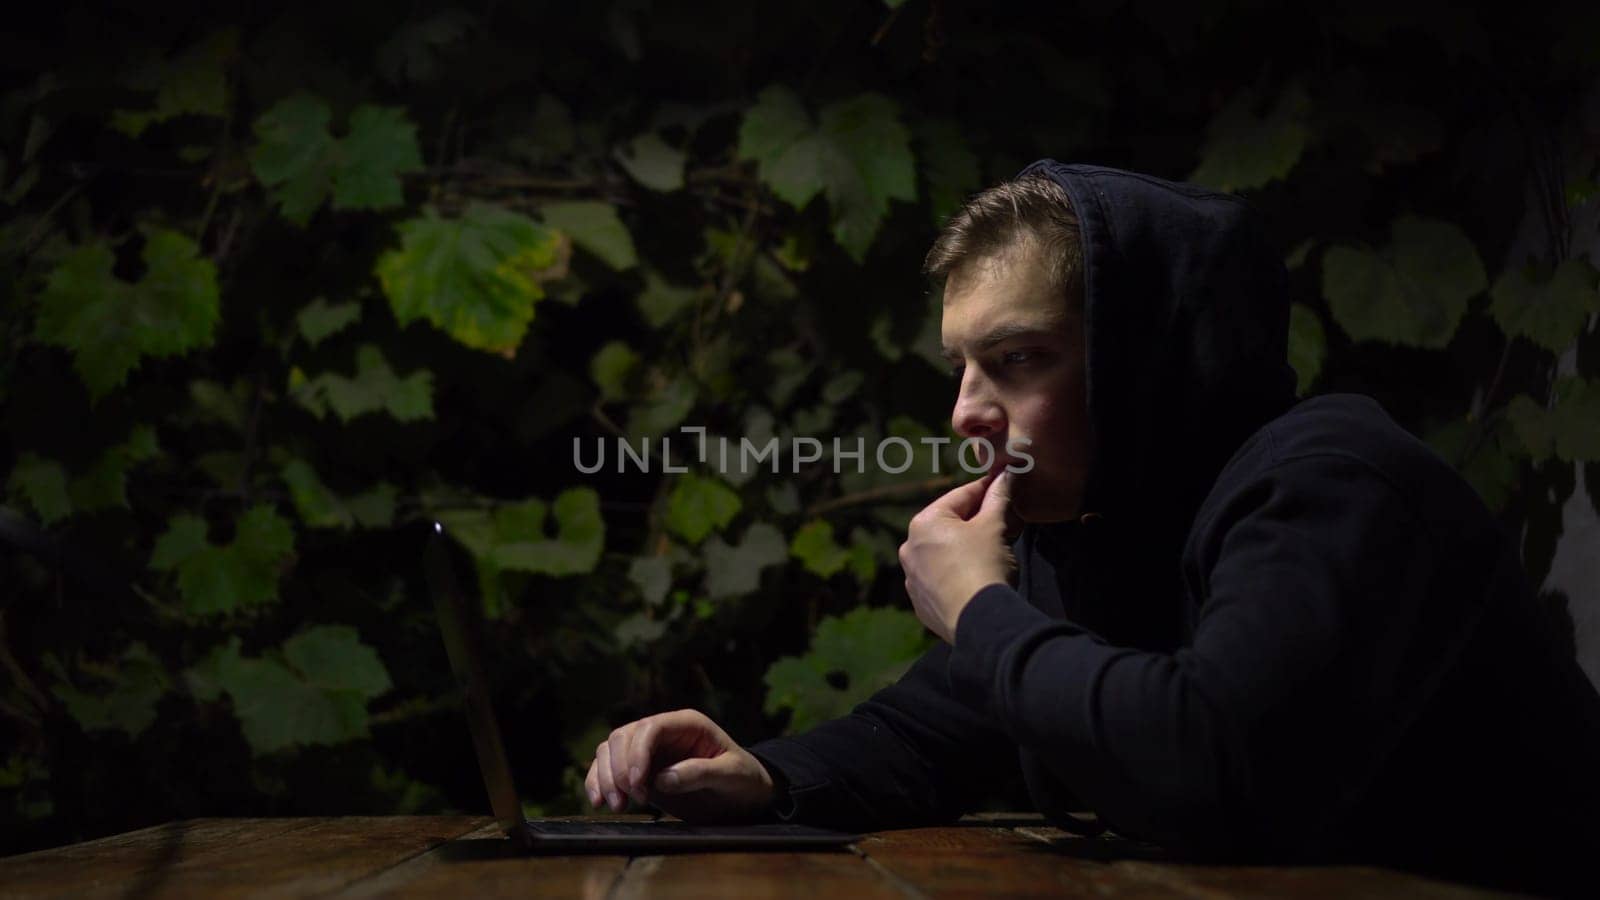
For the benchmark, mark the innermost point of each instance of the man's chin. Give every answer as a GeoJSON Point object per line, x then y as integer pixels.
{"type": "Point", "coordinates": [1033, 509]}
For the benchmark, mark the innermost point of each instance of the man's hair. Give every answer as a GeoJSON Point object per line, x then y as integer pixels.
{"type": "Point", "coordinates": [1003, 219]}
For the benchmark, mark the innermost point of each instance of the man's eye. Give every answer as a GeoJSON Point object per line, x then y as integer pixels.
{"type": "Point", "coordinates": [1015, 357]}
{"type": "Point", "coordinates": [956, 369]}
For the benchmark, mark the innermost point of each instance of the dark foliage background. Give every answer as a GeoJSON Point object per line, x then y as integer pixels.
{"type": "Point", "coordinates": [283, 286]}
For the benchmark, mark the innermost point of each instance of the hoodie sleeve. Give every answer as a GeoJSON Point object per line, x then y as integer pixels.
{"type": "Point", "coordinates": [910, 755]}
{"type": "Point", "coordinates": [1311, 644]}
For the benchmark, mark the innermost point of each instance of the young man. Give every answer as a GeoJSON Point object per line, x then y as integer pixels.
{"type": "Point", "coordinates": [1240, 625]}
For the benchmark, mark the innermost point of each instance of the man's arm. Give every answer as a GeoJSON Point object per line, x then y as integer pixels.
{"type": "Point", "coordinates": [910, 755]}
{"type": "Point", "coordinates": [1317, 644]}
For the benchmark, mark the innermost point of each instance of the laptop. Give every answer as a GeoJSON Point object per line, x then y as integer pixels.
{"type": "Point", "coordinates": [460, 622]}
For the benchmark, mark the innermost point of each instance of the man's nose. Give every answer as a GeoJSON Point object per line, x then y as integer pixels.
{"type": "Point", "coordinates": [977, 414]}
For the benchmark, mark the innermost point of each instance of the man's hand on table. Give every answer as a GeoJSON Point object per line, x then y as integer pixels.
{"type": "Point", "coordinates": [682, 762]}
{"type": "Point", "coordinates": [956, 546]}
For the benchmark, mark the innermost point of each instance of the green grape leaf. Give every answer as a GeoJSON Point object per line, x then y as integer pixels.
{"type": "Point", "coordinates": [129, 705]}
{"type": "Point", "coordinates": [1533, 426]}
{"type": "Point", "coordinates": [638, 629]}
{"type": "Point", "coordinates": [1244, 150]}
{"type": "Point", "coordinates": [698, 506]}
{"type": "Point", "coordinates": [211, 402]}
{"type": "Point", "coordinates": [661, 302]}
{"type": "Point", "coordinates": [594, 226]}
{"type": "Point", "coordinates": [43, 483]}
{"type": "Point", "coordinates": [777, 133]}
{"type": "Point", "coordinates": [514, 535]}
{"type": "Point", "coordinates": [652, 575]}
{"type": "Point", "coordinates": [110, 325]}
{"type": "Point", "coordinates": [301, 163]}
{"type": "Point", "coordinates": [734, 571]}
{"type": "Point", "coordinates": [661, 410]}
{"type": "Point", "coordinates": [1308, 345]}
{"type": "Point", "coordinates": [728, 250]}
{"type": "Point", "coordinates": [1551, 314]}
{"type": "Point", "coordinates": [1413, 294]}
{"type": "Point", "coordinates": [293, 156]}
{"type": "Point", "coordinates": [924, 459]}
{"type": "Point", "coordinates": [277, 711]}
{"type": "Point", "coordinates": [476, 278]}
{"type": "Point", "coordinates": [789, 372]}
{"type": "Point", "coordinates": [218, 579]}
{"type": "Point", "coordinates": [949, 167]}
{"type": "Point", "coordinates": [374, 508]}
{"type": "Point", "coordinates": [105, 484]}
{"type": "Point", "coordinates": [318, 507]}
{"type": "Point", "coordinates": [192, 83]}
{"type": "Point", "coordinates": [821, 555]}
{"type": "Point", "coordinates": [580, 535]}
{"type": "Point", "coordinates": [317, 693]}
{"type": "Point", "coordinates": [1437, 259]}
{"type": "Point", "coordinates": [612, 368]}
{"type": "Point", "coordinates": [381, 146]}
{"type": "Point", "coordinates": [473, 529]}
{"type": "Point", "coordinates": [734, 251]}
{"type": "Point", "coordinates": [653, 162]}
{"type": "Point", "coordinates": [184, 539]}
{"type": "Point", "coordinates": [332, 658]}
{"type": "Point", "coordinates": [870, 163]}
{"type": "Point", "coordinates": [817, 551]}
{"type": "Point", "coordinates": [320, 319]}
{"type": "Point", "coordinates": [54, 495]}
{"type": "Point", "coordinates": [1491, 468]}
{"type": "Point", "coordinates": [868, 649]}
{"type": "Point", "coordinates": [870, 548]}
{"type": "Point", "coordinates": [784, 498]}
{"type": "Point", "coordinates": [858, 154]}
{"type": "Point", "coordinates": [374, 388]}
{"type": "Point", "coordinates": [842, 386]}
{"type": "Point", "coordinates": [1568, 430]}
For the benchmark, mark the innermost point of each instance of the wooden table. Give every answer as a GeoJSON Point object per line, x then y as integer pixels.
{"type": "Point", "coordinates": [465, 857]}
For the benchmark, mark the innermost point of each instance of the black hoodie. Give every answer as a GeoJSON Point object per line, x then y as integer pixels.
{"type": "Point", "coordinates": [1290, 631]}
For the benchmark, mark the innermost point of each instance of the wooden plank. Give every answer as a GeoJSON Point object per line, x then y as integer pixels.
{"type": "Point", "coordinates": [122, 862]}
{"type": "Point", "coordinates": [835, 874]}
{"type": "Point", "coordinates": [232, 858]}
{"type": "Point", "coordinates": [483, 864]}
{"type": "Point", "coordinates": [975, 860]}
{"type": "Point", "coordinates": [1132, 861]}
{"type": "Point", "coordinates": [465, 856]}
{"type": "Point", "coordinates": [1301, 882]}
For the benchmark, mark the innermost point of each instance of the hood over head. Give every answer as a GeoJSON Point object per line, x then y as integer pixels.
{"type": "Point", "coordinates": [1186, 313]}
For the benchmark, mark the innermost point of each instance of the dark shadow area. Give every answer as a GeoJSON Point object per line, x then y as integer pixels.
{"type": "Point", "coordinates": [1105, 848]}
{"type": "Point", "coordinates": [1481, 873]}
{"type": "Point", "coordinates": [478, 850]}
{"type": "Point", "coordinates": [155, 874]}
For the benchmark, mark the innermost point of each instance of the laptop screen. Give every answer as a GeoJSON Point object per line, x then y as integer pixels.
{"type": "Point", "coordinates": [460, 623]}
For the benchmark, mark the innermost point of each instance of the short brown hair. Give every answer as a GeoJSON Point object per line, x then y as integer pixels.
{"type": "Point", "coordinates": [1001, 219]}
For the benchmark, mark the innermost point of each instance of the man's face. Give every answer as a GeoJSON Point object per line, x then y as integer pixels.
{"type": "Point", "coordinates": [1020, 357]}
